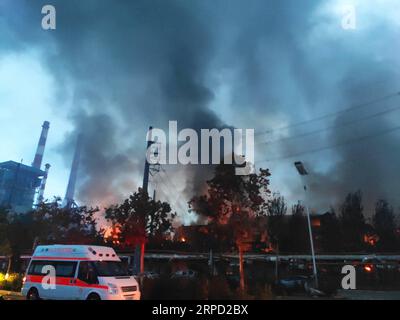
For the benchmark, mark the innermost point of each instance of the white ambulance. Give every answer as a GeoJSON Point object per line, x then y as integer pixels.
{"type": "Point", "coordinates": [81, 273]}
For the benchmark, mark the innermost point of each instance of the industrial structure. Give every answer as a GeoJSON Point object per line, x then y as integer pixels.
{"type": "Point", "coordinates": [19, 182]}
{"type": "Point", "coordinates": [42, 187]}
{"type": "Point", "coordinates": [69, 201]}
{"type": "Point", "coordinates": [37, 162]}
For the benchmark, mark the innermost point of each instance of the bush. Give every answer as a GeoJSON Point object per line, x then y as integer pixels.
{"type": "Point", "coordinates": [11, 282]}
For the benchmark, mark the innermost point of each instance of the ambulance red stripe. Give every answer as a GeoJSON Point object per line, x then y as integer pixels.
{"type": "Point", "coordinates": [63, 281]}
{"type": "Point", "coordinates": [59, 258]}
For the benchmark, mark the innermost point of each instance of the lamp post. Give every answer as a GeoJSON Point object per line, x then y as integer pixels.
{"type": "Point", "coordinates": [303, 173]}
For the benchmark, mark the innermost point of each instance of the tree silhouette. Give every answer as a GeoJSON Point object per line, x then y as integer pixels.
{"type": "Point", "coordinates": [231, 206]}
{"type": "Point", "coordinates": [277, 210]}
{"type": "Point", "coordinates": [353, 222]}
{"type": "Point", "coordinates": [52, 223]}
{"type": "Point", "coordinates": [298, 239]}
{"type": "Point", "coordinates": [330, 233]}
{"type": "Point", "coordinates": [49, 223]}
{"type": "Point", "coordinates": [15, 236]}
{"type": "Point", "coordinates": [139, 219]}
{"type": "Point", "coordinates": [385, 226]}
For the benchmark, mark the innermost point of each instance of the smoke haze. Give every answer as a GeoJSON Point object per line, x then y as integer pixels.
{"type": "Point", "coordinates": [121, 66]}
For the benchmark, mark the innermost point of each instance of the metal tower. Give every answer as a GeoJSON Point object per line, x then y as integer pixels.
{"type": "Point", "coordinates": [69, 201]}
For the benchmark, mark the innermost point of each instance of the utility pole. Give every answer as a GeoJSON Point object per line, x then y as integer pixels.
{"type": "Point", "coordinates": [147, 164]}
{"type": "Point", "coordinates": [138, 266]}
{"type": "Point", "coordinates": [303, 173]}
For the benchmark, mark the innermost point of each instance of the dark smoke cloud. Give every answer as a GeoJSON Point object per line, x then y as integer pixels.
{"type": "Point", "coordinates": [131, 64]}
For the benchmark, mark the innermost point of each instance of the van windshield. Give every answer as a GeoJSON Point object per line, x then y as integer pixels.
{"type": "Point", "coordinates": [110, 269]}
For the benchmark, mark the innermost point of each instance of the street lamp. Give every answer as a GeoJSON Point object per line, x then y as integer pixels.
{"type": "Point", "coordinates": [303, 173]}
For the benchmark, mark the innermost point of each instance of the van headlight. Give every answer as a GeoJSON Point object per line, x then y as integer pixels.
{"type": "Point", "coordinates": [112, 288]}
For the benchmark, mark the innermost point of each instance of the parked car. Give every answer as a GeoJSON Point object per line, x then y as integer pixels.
{"type": "Point", "coordinates": [372, 264]}
{"type": "Point", "coordinates": [293, 284]}
{"type": "Point", "coordinates": [184, 274]}
{"type": "Point", "coordinates": [149, 275]}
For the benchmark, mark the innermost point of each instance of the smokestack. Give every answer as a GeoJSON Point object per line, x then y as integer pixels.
{"type": "Point", "coordinates": [69, 195]}
{"type": "Point", "coordinates": [43, 184]}
{"type": "Point", "coordinates": [37, 162]}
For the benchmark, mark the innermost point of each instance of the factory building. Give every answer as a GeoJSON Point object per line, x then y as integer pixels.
{"type": "Point", "coordinates": [19, 183]}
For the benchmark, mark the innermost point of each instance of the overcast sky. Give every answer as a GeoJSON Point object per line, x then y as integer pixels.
{"type": "Point", "coordinates": [112, 68]}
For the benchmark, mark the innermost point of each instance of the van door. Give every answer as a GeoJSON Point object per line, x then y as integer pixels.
{"type": "Point", "coordinates": [65, 272]}
{"type": "Point", "coordinates": [86, 279]}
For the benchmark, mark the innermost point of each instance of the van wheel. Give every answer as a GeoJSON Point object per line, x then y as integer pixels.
{"type": "Point", "coordinates": [33, 294]}
{"type": "Point", "coordinates": [93, 296]}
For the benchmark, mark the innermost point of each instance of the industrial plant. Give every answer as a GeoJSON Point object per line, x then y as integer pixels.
{"type": "Point", "coordinates": [22, 186]}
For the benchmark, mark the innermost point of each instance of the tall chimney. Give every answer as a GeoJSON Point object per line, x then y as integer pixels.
{"type": "Point", "coordinates": [69, 195]}
{"type": "Point", "coordinates": [43, 184]}
{"type": "Point", "coordinates": [37, 162]}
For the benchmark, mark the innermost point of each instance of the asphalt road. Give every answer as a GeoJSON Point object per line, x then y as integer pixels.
{"type": "Point", "coordinates": [341, 295]}
{"type": "Point", "coordinates": [10, 295]}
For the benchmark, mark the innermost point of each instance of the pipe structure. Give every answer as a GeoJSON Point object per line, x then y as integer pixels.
{"type": "Point", "coordinates": [43, 184]}
{"type": "Point", "coordinates": [70, 193]}
{"type": "Point", "coordinates": [37, 162]}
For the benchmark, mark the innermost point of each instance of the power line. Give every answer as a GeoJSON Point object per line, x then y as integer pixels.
{"type": "Point", "coordinates": [384, 132]}
{"type": "Point", "coordinates": [328, 115]}
{"type": "Point", "coordinates": [340, 125]}
{"type": "Point", "coordinates": [158, 169]}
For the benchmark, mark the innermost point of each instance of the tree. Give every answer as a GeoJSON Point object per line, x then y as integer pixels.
{"type": "Point", "coordinates": [231, 205]}
{"type": "Point", "coordinates": [15, 236]}
{"type": "Point", "coordinates": [20, 237]}
{"type": "Point", "coordinates": [52, 223]}
{"type": "Point", "coordinates": [139, 219]}
{"type": "Point", "coordinates": [276, 220]}
{"type": "Point", "coordinates": [353, 222]}
{"type": "Point", "coordinates": [4, 243]}
{"type": "Point", "coordinates": [49, 223]}
{"type": "Point", "coordinates": [298, 239]}
{"type": "Point", "coordinates": [330, 232]}
{"type": "Point", "coordinates": [277, 226]}
{"type": "Point", "coordinates": [385, 226]}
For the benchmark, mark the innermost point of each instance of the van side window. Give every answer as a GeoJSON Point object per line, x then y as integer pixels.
{"type": "Point", "coordinates": [36, 267]}
{"type": "Point", "coordinates": [87, 273]}
{"type": "Point", "coordinates": [65, 269]}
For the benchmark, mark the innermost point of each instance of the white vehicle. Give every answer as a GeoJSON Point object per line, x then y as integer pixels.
{"type": "Point", "coordinates": [81, 273]}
